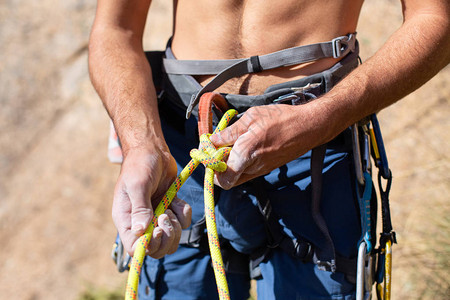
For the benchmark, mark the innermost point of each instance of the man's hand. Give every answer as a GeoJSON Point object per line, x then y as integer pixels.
{"type": "Point", "coordinates": [122, 77]}
{"type": "Point", "coordinates": [143, 180]}
{"type": "Point", "coordinates": [267, 137]}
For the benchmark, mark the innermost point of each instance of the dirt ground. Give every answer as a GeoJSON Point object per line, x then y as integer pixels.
{"type": "Point", "coordinates": [56, 184]}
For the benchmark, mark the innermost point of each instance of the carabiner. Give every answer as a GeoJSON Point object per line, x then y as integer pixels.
{"type": "Point", "coordinates": [357, 155]}
{"type": "Point", "coordinates": [122, 261]}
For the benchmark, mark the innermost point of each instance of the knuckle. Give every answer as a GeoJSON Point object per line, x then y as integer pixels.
{"type": "Point", "coordinates": [252, 111]}
{"type": "Point", "coordinates": [136, 184]}
{"type": "Point", "coordinates": [141, 211]}
{"type": "Point", "coordinates": [170, 214]}
{"type": "Point", "coordinates": [187, 217]}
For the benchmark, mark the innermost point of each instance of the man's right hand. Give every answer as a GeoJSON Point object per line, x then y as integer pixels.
{"type": "Point", "coordinates": [144, 178]}
{"type": "Point", "coordinates": [122, 77]}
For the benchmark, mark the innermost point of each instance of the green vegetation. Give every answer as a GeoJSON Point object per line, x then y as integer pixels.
{"type": "Point", "coordinates": [101, 294]}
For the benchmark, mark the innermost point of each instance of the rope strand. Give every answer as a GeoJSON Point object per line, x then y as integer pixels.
{"type": "Point", "coordinates": [212, 159]}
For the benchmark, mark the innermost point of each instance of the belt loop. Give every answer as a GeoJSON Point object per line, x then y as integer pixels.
{"type": "Point", "coordinates": [256, 66]}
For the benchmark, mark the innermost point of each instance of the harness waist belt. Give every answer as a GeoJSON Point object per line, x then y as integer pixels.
{"type": "Point", "coordinates": [227, 69]}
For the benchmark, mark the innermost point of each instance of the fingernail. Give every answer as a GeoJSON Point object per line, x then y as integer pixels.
{"type": "Point", "coordinates": [215, 138]}
{"type": "Point", "coordinates": [167, 223]}
{"type": "Point", "coordinates": [227, 181]}
{"type": "Point", "coordinates": [186, 209]}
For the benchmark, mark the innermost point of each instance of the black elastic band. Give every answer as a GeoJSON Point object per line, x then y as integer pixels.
{"type": "Point", "coordinates": [256, 66]}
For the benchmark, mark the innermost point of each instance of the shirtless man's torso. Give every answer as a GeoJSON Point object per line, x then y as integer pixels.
{"type": "Point", "coordinates": [230, 29]}
{"type": "Point", "coordinates": [238, 29]}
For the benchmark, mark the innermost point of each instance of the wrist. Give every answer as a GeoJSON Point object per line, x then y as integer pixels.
{"type": "Point", "coordinates": [150, 147]}
{"type": "Point", "coordinates": [327, 118]}
{"type": "Point", "coordinates": [142, 132]}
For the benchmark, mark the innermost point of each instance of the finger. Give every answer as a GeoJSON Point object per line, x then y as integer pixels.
{"type": "Point", "coordinates": [183, 212]}
{"type": "Point", "coordinates": [244, 178]}
{"type": "Point", "coordinates": [227, 179]}
{"type": "Point", "coordinates": [235, 167]}
{"type": "Point", "coordinates": [177, 231]}
{"type": "Point", "coordinates": [121, 210]}
{"type": "Point", "coordinates": [239, 160]}
{"type": "Point", "coordinates": [141, 211]}
{"type": "Point", "coordinates": [229, 135]}
{"type": "Point", "coordinates": [167, 236]}
{"type": "Point", "coordinates": [155, 242]}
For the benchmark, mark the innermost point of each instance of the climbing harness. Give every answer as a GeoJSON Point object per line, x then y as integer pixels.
{"type": "Point", "coordinates": [212, 158]}
{"type": "Point", "coordinates": [372, 264]}
{"type": "Point", "coordinates": [230, 68]}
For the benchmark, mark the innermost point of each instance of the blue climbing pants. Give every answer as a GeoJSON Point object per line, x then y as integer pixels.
{"type": "Point", "coordinates": [188, 273]}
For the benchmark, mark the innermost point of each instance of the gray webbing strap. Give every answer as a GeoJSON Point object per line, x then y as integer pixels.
{"type": "Point", "coordinates": [337, 48]}
{"type": "Point", "coordinates": [227, 69]}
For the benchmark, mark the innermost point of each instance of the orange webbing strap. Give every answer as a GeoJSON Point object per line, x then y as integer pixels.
{"type": "Point", "coordinates": [205, 111]}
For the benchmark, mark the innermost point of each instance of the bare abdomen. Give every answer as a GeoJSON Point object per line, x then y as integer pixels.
{"type": "Point", "coordinates": [235, 29]}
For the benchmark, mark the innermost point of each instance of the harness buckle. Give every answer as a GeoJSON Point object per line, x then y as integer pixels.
{"type": "Point", "coordinates": [389, 236]}
{"type": "Point", "coordinates": [303, 251]}
{"type": "Point", "coordinates": [337, 46]}
{"type": "Point", "coordinates": [342, 45]}
{"type": "Point", "coordinates": [327, 265]}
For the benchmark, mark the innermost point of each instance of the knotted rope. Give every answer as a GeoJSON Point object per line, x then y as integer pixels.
{"type": "Point", "coordinates": [212, 158]}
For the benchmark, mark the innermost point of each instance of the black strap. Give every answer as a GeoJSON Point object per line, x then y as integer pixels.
{"type": "Point", "coordinates": [297, 248]}
{"type": "Point", "coordinates": [155, 59]}
{"type": "Point", "coordinates": [195, 236]}
{"type": "Point", "coordinates": [387, 233]}
{"type": "Point", "coordinates": [324, 258]}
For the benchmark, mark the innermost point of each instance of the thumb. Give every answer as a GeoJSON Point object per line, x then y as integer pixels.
{"type": "Point", "coordinates": [141, 213]}
{"type": "Point", "coordinates": [229, 135]}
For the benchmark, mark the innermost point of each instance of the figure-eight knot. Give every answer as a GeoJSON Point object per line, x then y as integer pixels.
{"type": "Point", "coordinates": [209, 156]}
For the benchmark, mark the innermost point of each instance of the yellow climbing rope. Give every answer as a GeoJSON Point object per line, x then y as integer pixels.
{"type": "Point", "coordinates": [384, 292]}
{"type": "Point", "coordinates": [212, 158]}
{"type": "Point", "coordinates": [387, 274]}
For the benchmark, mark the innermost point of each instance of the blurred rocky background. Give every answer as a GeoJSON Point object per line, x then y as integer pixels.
{"type": "Point", "coordinates": [56, 184]}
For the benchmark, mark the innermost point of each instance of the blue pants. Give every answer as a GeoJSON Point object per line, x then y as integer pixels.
{"type": "Point", "coordinates": [188, 274]}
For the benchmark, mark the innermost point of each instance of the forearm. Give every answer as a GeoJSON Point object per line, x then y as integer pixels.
{"type": "Point", "coordinates": [413, 55]}
{"type": "Point", "coordinates": [122, 77]}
